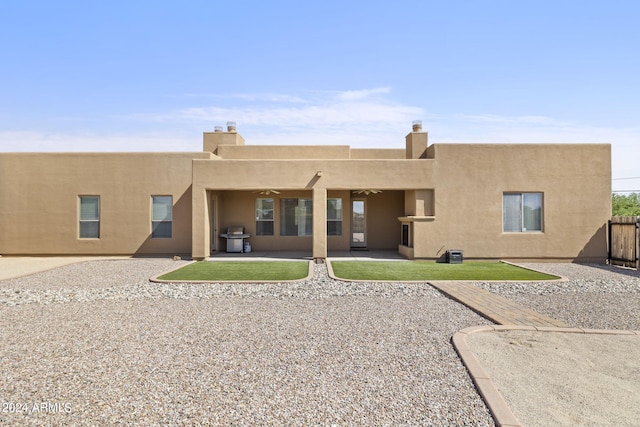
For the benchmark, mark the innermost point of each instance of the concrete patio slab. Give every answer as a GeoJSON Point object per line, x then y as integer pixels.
{"type": "Point", "coordinates": [553, 376]}
{"type": "Point", "coordinates": [355, 255]}
{"type": "Point", "coordinates": [262, 256]}
{"type": "Point", "coordinates": [11, 267]}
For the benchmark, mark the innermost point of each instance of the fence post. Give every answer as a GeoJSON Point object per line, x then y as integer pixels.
{"type": "Point", "coordinates": [638, 243]}
{"type": "Point", "coordinates": [610, 239]}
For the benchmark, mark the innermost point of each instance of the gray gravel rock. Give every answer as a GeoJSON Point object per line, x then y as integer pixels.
{"type": "Point", "coordinates": [594, 296]}
{"type": "Point", "coordinates": [97, 344]}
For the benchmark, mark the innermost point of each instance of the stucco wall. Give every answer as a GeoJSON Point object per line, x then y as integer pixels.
{"type": "Point", "coordinates": [296, 174]}
{"type": "Point", "coordinates": [459, 188]}
{"type": "Point", "coordinates": [303, 175]}
{"type": "Point", "coordinates": [575, 181]}
{"type": "Point", "coordinates": [39, 201]}
{"type": "Point", "coordinates": [380, 153]}
{"type": "Point", "coordinates": [382, 212]}
{"type": "Point", "coordinates": [281, 152]}
{"type": "Point", "coordinates": [464, 183]}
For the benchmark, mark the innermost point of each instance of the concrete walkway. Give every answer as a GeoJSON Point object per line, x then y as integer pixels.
{"type": "Point", "coordinates": [12, 267]}
{"type": "Point", "coordinates": [494, 307]}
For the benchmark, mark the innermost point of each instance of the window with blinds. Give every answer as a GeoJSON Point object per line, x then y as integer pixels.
{"type": "Point", "coordinates": [161, 217]}
{"type": "Point", "coordinates": [334, 217]}
{"type": "Point", "coordinates": [522, 212]}
{"type": "Point", "coordinates": [89, 227]}
{"type": "Point", "coordinates": [296, 217]}
{"type": "Point", "coordinates": [264, 217]}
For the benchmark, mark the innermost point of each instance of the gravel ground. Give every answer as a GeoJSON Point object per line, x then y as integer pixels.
{"type": "Point", "coordinates": [97, 344]}
{"type": "Point", "coordinates": [595, 296]}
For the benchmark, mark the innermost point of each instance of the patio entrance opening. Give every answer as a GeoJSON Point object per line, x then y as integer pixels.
{"type": "Point", "coordinates": [358, 224]}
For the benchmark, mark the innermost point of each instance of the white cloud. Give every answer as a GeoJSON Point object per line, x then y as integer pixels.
{"type": "Point", "coordinates": [502, 120]}
{"type": "Point", "coordinates": [48, 142]}
{"type": "Point", "coordinates": [354, 95]}
{"type": "Point", "coordinates": [254, 97]}
{"type": "Point", "coordinates": [271, 97]}
{"type": "Point", "coordinates": [359, 118]}
{"type": "Point", "coordinates": [332, 115]}
{"type": "Point", "coordinates": [348, 117]}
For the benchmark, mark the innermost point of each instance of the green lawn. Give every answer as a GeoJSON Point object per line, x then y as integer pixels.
{"type": "Point", "coordinates": [240, 270]}
{"type": "Point", "coordinates": [429, 270]}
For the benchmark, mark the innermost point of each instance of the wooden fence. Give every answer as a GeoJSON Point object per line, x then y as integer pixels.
{"type": "Point", "coordinates": [624, 241]}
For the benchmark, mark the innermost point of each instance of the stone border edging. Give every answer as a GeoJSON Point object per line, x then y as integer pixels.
{"type": "Point", "coordinates": [559, 278]}
{"type": "Point", "coordinates": [500, 411]}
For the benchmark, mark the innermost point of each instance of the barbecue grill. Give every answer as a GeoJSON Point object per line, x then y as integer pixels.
{"type": "Point", "coordinates": [235, 238]}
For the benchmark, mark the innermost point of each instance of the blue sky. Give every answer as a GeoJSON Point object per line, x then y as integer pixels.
{"type": "Point", "coordinates": [139, 75]}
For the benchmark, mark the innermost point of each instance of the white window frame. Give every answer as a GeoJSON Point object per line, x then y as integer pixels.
{"type": "Point", "coordinates": [261, 217]}
{"type": "Point", "coordinates": [522, 220]}
{"type": "Point", "coordinates": [335, 220]}
{"type": "Point", "coordinates": [159, 218]}
{"type": "Point", "coordinates": [82, 220]}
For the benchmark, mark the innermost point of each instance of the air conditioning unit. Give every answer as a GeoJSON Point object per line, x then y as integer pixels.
{"type": "Point", "coordinates": [454, 256]}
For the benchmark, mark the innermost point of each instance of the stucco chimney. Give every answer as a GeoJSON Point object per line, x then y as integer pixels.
{"type": "Point", "coordinates": [212, 140]}
{"type": "Point", "coordinates": [417, 142]}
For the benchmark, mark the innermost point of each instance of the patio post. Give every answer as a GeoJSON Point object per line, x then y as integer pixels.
{"type": "Point", "coordinates": [319, 223]}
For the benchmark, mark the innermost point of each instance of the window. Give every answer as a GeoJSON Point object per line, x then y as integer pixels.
{"type": "Point", "coordinates": [334, 217]}
{"type": "Point", "coordinates": [89, 217]}
{"type": "Point", "coordinates": [296, 217]}
{"type": "Point", "coordinates": [161, 216]}
{"type": "Point", "coordinates": [522, 212]}
{"type": "Point", "coordinates": [264, 217]}
{"type": "Point", "coordinates": [405, 235]}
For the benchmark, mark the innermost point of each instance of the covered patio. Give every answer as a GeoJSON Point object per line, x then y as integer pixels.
{"type": "Point", "coordinates": [303, 221]}
{"type": "Point", "coordinates": [349, 255]}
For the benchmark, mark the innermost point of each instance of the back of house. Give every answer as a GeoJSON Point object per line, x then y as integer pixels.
{"type": "Point", "coordinates": [492, 201]}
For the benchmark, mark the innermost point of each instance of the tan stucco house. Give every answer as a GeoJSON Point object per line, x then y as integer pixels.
{"type": "Point", "coordinates": [493, 201]}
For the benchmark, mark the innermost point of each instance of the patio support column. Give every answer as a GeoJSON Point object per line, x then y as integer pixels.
{"type": "Point", "coordinates": [319, 223]}
{"type": "Point", "coordinates": [200, 246]}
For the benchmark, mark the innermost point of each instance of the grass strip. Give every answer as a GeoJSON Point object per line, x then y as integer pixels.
{"type": "Point", "coordinates": [240, 270]}
{"type": "Point", "coordinates": [429, 270]}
